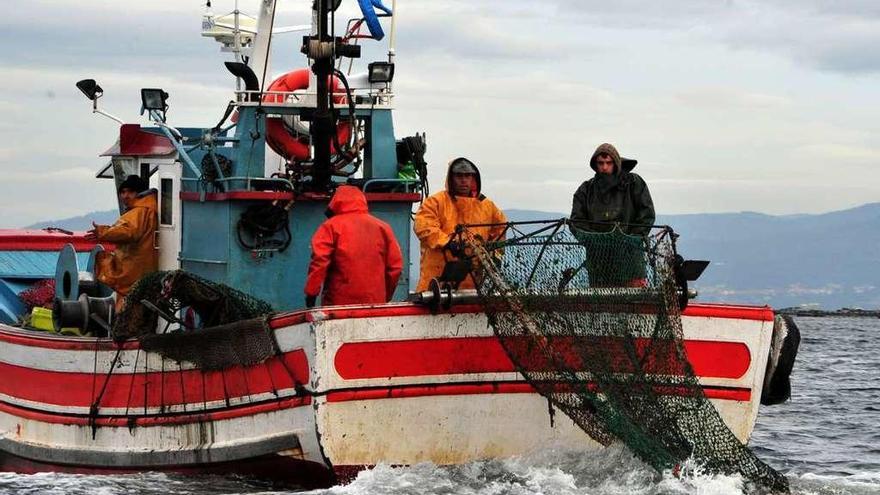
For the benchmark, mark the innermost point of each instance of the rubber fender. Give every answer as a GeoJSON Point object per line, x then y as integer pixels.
{"type": "Point", "coordinates": [783, 350]}
{"type": "Point", "coordinates": [368, 8]}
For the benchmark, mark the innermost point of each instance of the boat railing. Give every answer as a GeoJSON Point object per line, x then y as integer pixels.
{"type": "Point", "coordinates": [409, 185]}
{"type": "Point", "coordinates": [305, 99]}
{"type": "Point", "coordinates": [247, 182]}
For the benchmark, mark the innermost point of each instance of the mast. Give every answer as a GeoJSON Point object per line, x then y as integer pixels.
{"type": "Point", "coordinates": [320, 48]}
{"type": "Point", "coordinates": [259, 58]}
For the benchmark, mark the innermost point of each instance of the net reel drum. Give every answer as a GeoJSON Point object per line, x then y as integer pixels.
{"type": "Point", "coordinates": [79, 296]}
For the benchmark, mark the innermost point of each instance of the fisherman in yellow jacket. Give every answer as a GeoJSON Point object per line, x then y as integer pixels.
{"type": "Point", "coordinates": [440, 213]}
{"type": "Point", "coordinates": [134, 237]}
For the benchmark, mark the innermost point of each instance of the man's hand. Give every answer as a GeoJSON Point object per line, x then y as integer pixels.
{"type": "Point", "coordinates": [455, 248]}
{"type": "Point", "coordinates": [310, 301]}
{"type": "Point", "coordinates": [92, 235]}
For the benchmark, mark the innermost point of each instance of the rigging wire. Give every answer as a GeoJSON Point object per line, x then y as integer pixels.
{"type": "Point", "coordinates": [137, 357]}
{"type": "Point", "coordinates": [93, 410]}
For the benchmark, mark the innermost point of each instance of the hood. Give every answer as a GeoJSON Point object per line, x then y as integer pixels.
{"type": "Point", "coordinates": [620, 164]}
{"type": "Point", "coordinates": [450, 190]}
{"type": "Point", "coordinates": [146, 199]}
{"type": "Point", "coordinates": [135, 183]}
{"type": "Point", "coordinates": [348, 199]}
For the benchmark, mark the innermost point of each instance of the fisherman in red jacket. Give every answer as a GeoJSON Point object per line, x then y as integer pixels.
{"type": "Point", "coordinates": [355, 256]}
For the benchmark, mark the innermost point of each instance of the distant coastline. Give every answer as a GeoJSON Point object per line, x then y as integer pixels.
{"type": "Point", "coordinates": [847, 312]}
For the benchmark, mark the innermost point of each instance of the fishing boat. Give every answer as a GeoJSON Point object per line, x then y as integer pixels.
{"type": "Point", "coordinates": [423, 378]}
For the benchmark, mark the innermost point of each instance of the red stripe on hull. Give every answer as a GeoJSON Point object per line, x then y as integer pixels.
{"type": "Point", "coordinates": [285, 469]}
{"type": "Point", "coordinates": [736, 394]}
{"type": "Point", "coordinates": [164, 420]}
{"type": "Point", "coordinates": [41, 240]}
{"type": "Point", "coordinates": [429, 357]}
{"type": "Point", "coordinates": [33, 339]}
{"type": "Point", "coordinates": [756, 313]}
{"type": "Point", "coordinates": [45, 340]}
{"type": "Point", "coordinates": [154, 389]}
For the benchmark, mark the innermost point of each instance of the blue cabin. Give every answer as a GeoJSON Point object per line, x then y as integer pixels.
{"type": "Point", "coordinates": [240, 201]}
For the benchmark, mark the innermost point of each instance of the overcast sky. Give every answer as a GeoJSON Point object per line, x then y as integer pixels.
{"type": "Point", "coordinates": [733, 105]}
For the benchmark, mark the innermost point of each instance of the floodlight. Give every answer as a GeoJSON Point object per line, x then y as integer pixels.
{"type": "Point", "coordinates": [90, 88]}
{"type": "Point", "coordinates": [381, 72]}
{"type": "Point", "coordinates": [154, 99]}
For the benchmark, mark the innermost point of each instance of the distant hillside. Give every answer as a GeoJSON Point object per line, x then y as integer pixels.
{"type": "Point", "coordinates": [83, 222]}
{"type": "Point", "coordinates": [831, 260]}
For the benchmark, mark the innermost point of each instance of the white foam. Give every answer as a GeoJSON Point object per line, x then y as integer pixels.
{"type": "Point", "coordinates": [613, 471]}
{"type": "Point", "coordinates": [818, 484]}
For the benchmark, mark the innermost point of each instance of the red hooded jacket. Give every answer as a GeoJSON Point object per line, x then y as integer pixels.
{"type": "Point", "coordinates": [355, 256]}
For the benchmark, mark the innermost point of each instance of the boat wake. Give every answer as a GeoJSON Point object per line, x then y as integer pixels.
{"type": "Point", "coordinates": [613, 471]}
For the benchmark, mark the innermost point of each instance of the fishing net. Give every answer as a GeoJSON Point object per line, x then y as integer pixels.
{"type": "Point", "coordinates": [242, 343]}
{"type": "Point", "coordinates": [592, 321]}
{"type": "Point", "coordinates": [168, 292]}
{"type": "Point", "coordinates": [41, 294]}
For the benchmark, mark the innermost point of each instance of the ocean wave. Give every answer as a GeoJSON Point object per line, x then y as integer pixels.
{"type": "Point", "coordinates": [614, 471]}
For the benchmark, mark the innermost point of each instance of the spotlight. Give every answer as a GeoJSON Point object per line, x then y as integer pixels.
{"type": "Point", "coordinates": [381, 72]}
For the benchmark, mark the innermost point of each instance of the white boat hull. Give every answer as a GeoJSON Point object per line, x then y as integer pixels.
{"type": "Point", "coordinates": [354, 387]}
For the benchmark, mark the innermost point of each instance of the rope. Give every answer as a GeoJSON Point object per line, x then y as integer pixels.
{"type": "Point", "coordinates": [137, 357]}
{"type": "Point", "coordinates": [262, 222]}
{"type": "Point", "coordinates": [93, 410]}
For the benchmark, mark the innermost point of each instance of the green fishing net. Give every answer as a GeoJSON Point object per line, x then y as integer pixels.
{"type": "Point", "coordinates": [232, 328]}
{"type": "Point", "coordinates": [593, 322]}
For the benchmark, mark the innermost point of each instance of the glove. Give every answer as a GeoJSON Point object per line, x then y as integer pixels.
{"type": "Point", "coordinates": [455, 248]}
{"type": "Point", "coordinates": [310, 301]}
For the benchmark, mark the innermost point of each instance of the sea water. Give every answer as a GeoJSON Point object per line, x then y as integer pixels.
{"type": "Point", "coordinates": [826, 440]}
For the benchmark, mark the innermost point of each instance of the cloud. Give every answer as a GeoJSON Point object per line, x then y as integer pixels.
{"type": "Point", "coordinates": [730, 98]}
{"type": "Point", "coordinates": [820, 34]}
{"type": "Point", "coordinates": [41, 176]}
{"type": "Point", "coordinates": [43, 143]}
{"type": "Point", "coordinates": [719, 101]}
{"type": "Point", "coordinates": [669, 14]}
{"type": "Point", "coordinates": [37, 194]}
{"type": "Point", "coordinates": [830, 39]}
{"type": "Point", "coordinates": [841, 153]}
{"type": "Point", "coordinates": [483, 38]}
{"type": "Point", "coordinates": [531, 88]}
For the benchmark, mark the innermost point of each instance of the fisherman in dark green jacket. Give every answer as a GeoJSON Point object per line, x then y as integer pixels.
{"type": "Point", "coordinates": [614, 197]}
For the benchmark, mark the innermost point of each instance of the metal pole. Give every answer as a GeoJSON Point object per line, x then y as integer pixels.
{"type": "Point", "coordinates": [259, 59]}
{"type": "Point", "coordinates": [236, 44]}
{"type": "Point", "coordinates": [323, 123]}
{"type": "Point", "coordinates": [391, 37]}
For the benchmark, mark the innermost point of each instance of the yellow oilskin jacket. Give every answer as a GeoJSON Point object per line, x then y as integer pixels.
{"type": "Point", "coordinates": [134, 237]}
{"type": "Point", "coordinates": [435, 225]}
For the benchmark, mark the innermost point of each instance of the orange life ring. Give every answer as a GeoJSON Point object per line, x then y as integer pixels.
{"type": "Point", "coordinates": [283, 141]}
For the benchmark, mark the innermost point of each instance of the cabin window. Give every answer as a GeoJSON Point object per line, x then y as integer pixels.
{"type": "Point", "coordinates": [166, 210]}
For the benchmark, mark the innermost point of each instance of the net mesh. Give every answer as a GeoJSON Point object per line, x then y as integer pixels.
{"type": "Point", "coordinates": [592, 321]}
{"type": "Point", "coordinates": [242, 343]}
{"type": "Point", "coordinates": [169, 291]}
